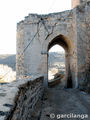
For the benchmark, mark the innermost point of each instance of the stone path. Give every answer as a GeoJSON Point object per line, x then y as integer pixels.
{"type": "Point", "coordinates": [64, 101]}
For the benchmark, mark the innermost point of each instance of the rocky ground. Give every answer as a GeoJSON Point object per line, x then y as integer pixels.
{"type": "Point", "coordinates": [59, 101]}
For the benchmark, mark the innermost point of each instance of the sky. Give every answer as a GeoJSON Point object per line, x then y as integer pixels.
{"type": "Point", "coordinates": [13, 11]}
{"type": "Point", "coordinates": [56, 48]}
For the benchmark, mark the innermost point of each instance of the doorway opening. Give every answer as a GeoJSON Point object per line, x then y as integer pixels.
{"type": "Point", "coordinates": [59, 61]}
{"type": "Point", "coordinates": [56, 63]}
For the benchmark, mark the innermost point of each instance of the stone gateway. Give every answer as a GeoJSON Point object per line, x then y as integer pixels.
{"type": "Point", "coordinates": [36, 34]}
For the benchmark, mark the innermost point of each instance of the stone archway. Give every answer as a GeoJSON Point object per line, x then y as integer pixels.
{"type": "Point", "coordinates": [64, 42]}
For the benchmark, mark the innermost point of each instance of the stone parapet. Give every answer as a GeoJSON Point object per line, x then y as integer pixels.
{"type": "Point", "coordinates": [19, 98]}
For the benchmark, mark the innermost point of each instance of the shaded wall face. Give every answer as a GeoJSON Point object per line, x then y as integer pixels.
{"type": "Point", "coordinates": [83, 43]}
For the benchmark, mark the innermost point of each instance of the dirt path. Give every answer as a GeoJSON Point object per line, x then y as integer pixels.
{"type": "Point", "coordinates": [64, 101]}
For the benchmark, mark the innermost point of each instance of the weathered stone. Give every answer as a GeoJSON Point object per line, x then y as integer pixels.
{"type": "Point", "coordinates": [35, 36]}
{"type": "Point", "coordinates": [18, 100]}
{"type": "Point", "coordinates": [70, 29]}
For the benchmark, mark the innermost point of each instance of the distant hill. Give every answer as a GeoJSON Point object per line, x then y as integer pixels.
{"type": "Point", "coordinates": [7, 67]}
{"type": "Point", "coordinates": [8, 59]}
{"type": "Point", "coordinates": [56, 63]}
{"type": "Point", "coordinates": [56, 60]}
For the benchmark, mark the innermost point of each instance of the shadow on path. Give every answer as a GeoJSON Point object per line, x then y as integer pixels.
{"type": "Point", "coordinates": [64, 101]}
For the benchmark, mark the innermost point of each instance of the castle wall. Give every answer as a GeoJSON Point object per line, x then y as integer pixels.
{"type": "Point", "coordinates": [83, 42]}
{"type": "Point", "coordinates": [20, 50]}
{"type": "Point", "coordinates": [36, 32]}
{"type": "Point", "coordinates": [39, 31]}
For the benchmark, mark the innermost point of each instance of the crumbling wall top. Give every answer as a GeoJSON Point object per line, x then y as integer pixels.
{"type": "Point", "coordinates": [35, 18]}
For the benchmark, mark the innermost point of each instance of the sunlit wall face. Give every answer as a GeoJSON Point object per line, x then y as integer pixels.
{"type": "Point", "coordinates": [56, 61]}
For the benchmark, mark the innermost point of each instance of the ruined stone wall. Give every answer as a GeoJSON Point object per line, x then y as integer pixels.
{"type": "Point", "coordinates": [45, 28]}
{"type": "Point", "coordinates": [36, 32]}
{"type": "Point", "coordinates": [83, 41]}
{"type": "Point", "coordinates": [20, 50]}
{"type": "Point", "coordinates": [18, 99]}
{"type": "Point", "coordinates": [32, 54]}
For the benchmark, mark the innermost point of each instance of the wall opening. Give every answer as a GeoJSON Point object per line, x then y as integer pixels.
{"type": "Point", "coordinates": [56, 63]}
{"type": "Point", "coordinates": [62, 43]}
